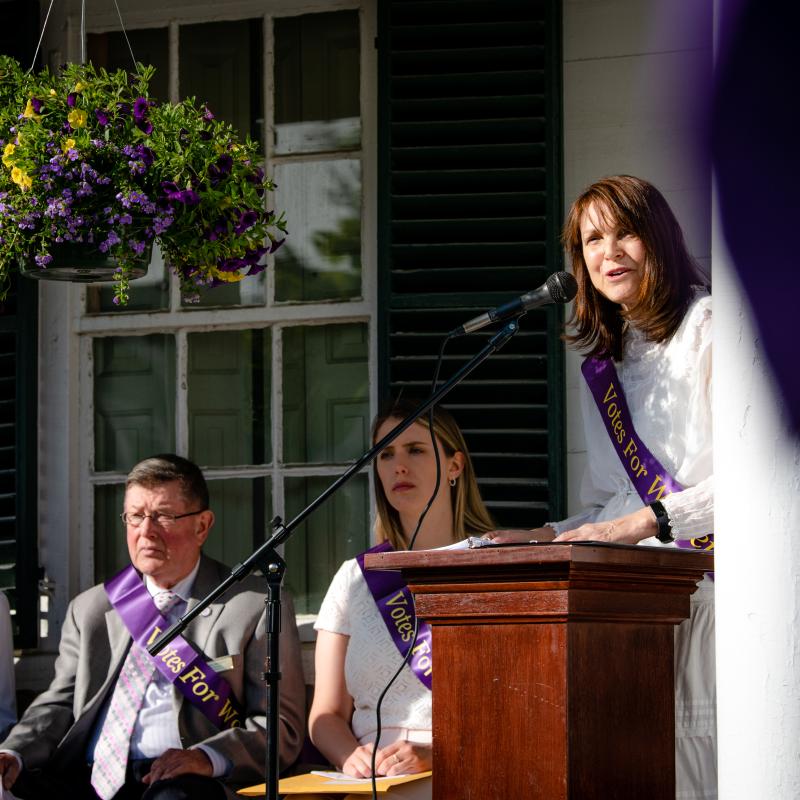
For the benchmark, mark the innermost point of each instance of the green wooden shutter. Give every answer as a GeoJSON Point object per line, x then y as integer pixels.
{"type": "Point", "coordinates": [19, 571]}
{"type": "Point", "coordinates": [469, 213]}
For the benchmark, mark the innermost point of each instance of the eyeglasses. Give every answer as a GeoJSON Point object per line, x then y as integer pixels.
{"type": "Point", "coordinates": [157, 518]}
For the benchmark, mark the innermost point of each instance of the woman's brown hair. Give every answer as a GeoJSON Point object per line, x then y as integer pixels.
{"type": "Point", "coordinates": [470, 517]}
{"type": "Point", "coordinates": [670, 272]}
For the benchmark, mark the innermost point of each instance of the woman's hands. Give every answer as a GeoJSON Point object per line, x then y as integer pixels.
{"type": "Point", "coordinates": [545, 534]}
{"type": "Point", "coordinates": [630, 529]}
{"type": "Point", "coordinates": [403, 758]}
{"type": "Point", "coordinates": [398, 758]}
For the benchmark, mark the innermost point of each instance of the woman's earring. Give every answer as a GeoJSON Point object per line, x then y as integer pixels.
{"type": "Point", "coordinates": [452, 481]}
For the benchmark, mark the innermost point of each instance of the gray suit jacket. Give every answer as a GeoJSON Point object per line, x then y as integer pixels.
{"type": "Point", "coordinates": [56, 728]}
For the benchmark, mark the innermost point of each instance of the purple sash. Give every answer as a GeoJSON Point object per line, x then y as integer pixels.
{"type": "Point", "coordinates": [648, 476]}
{"type": "Point", "coordinates": [179, 663]}
{"type": "Point", "coordinates": [396, 607]}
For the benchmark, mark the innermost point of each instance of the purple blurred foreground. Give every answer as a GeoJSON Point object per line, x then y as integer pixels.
{"type": "Point", "coordinates": [755, 147]}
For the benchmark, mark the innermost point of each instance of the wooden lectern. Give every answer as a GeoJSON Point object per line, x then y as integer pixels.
{"type": "Point", "coordinates": [553, 667]}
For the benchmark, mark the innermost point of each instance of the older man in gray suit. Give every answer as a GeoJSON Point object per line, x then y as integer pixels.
{"type": "Point", "coordinates": [189, 723]}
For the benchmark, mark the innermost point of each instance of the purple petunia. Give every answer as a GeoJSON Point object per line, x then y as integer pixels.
{"type": "Point", "coordinates": [146, 155]}
{"type": "Point", "coordinates": [231, 264]}
{"type": "Point", "coordinates": [257, 177]}
{"type": "Point", "coordinates": [140, 106]}
{"type": "Point", "coordinates": [224, 164]}
{"type": "Point", "coordinates": [71, 98]}
{"type": "Point", "coordinates": [188, 197]}
{"type": "Point", "coordinates": [252, 257]}
{"type": "Point", "coordinates": [220, 168]}
{"type": "Point", "coordinates": [246, 220]}
{"type": "Point", "coordinates": [220, 228]}
{"type": "Point", "coordinates": [102, 116]}
{"type": "Point", "coordinates": [36, 105]}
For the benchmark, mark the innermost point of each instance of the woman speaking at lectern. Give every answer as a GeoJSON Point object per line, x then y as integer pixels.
{"type": "Point", "coordinates": [643, 321]}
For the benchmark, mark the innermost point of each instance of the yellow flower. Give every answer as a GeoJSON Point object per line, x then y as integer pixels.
{"type": "Point", "coordinates": [9, 149]}
{"type": "Point", "coordinates": [21, 178]}
{"type": "Point", "coordinates": [29, 112]}
{"type": "Point", "coordinates": [52, 92]}
{"type": "Point", "coordinates": [76, 118]}
{"type": "Point", "coordinates": [227, 277]}
{"type": "Point", "coordinates": [79, 87]}
{"type": "Point", "coordinates": [68, 145]}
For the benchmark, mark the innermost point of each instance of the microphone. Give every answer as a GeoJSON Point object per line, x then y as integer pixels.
{"type": "Point", "coordinates": [560, 287]}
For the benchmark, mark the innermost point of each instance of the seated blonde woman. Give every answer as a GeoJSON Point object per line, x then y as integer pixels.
{"type": "Point", "coordinates": [355, 653]}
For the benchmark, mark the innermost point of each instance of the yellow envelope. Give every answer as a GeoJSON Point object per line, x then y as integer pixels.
{"type": "Point", "coordinates": [320, 784]}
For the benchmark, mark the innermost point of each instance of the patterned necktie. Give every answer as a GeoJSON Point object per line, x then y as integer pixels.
{"type": "Point", "coordinates": [113, 744]}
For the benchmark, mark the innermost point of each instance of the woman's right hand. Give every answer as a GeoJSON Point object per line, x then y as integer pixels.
{"type": "Point", "coordinates": [359, 762]}
{"type": "Point", "coordinates": [545, 534]}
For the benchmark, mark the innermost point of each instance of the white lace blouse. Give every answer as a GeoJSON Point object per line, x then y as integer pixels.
{"type": "Point", "coordinates": [668, 388]}
{"type": "Point", "coordinates": [372, 659]}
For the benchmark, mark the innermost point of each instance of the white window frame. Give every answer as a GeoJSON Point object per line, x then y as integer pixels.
{"type": "Point", "coordinates": [69, 565]}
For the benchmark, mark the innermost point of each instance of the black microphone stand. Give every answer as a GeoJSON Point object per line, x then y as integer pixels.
{"type": "Point", "coordinates": [274, 567]}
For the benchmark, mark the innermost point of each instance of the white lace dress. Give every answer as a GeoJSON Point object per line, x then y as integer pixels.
{"type": "Point", "coordinates": [668, 388]}
{"type": "Point", "coordinates": [371, 660]}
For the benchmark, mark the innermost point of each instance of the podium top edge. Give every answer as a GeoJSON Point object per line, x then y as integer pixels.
{"type": "Point", "coordinates": [549, 554]}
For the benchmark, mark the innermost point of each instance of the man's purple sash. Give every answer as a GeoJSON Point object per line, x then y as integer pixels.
{"type": "Point", "coordinates": [179, 662]}
{"type": "Point", "coordinates": [396, 607]}
{"type": "Point", "coordinates": [648, 476]}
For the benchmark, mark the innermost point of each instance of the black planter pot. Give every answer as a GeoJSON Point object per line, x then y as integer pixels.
{"type": "Point", "coordinates": [82, 263]}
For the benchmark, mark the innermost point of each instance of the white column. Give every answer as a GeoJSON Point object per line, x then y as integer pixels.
{"type": "Point", "coordinates": [757, 521]}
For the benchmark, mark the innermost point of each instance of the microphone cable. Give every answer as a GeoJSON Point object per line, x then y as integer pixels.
{"type": "Point", "coordinates": [411, 547]}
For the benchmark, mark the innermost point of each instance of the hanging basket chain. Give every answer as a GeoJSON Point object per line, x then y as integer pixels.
{"type": "Point", "coordinates": [83, 35]}
{"type": "Point", "coordinates": [41, 36]}
{"type": "Point", "coordinates": [125, 34]}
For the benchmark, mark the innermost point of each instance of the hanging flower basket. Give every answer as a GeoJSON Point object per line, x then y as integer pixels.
{"type": "Point", "coordinates": [89, 160]}
{"type": "Point", "coordinates": [84, 263]}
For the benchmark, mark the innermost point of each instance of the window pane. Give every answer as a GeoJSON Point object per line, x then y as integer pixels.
{"type": "Point", "coordinates": [221, 65]}
{"type": "Point", "coordinates": [150, 46]}
{"type": "Point", "coordinates": [321, 259]}
{"type": "Point", "coordinates": [337, 530]}
{"type": "Point", "coordinates": [148, 293]}
{"type": "Point", "coordinates": [325, 393]}
{"type": "Point", "coordinates": [110, 544]}
{"type": "Point", "coordinates": [250, 291]}
{"type": "Point", "coordinates": [242, 511]}
{"type": "Point", "coordinates": [134, 399]}
{"type": "Point", "coordinates": [317, 83]}
{"type": "Point", "coordinates": [229, 397]}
